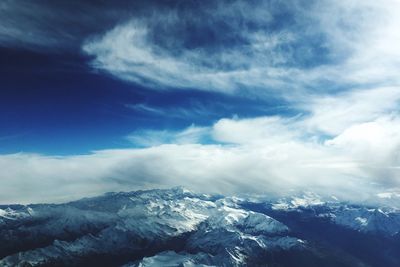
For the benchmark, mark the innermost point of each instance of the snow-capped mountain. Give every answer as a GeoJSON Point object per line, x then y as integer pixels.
{"type": "Point", "coordinates": [177, 227]}
{"type": "Point", "coordinates": [383, 220]}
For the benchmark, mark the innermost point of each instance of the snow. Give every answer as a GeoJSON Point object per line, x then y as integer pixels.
{"type": "Point", "coordinates": [281, 206]}
{"type": "Point", "coordinates": [362, 221]}
{"type": "Point", "coordinates": [171, 259]}
{"type": "Point", "coordinates": [295, 202]}
{"type": "Point", "coordinates": [11, 214]}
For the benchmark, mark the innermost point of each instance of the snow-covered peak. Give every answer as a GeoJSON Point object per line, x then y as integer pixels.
{"type": "Point", "coordinates": [160, 216]}
{"type": "Point", "coordinates": [257, 223]}
{"type": "Point", "coordinates": [12, 214]}
{"type": "Point", "coordinates": [368, 219]}
{"type": "Point", "coordinates": [295, 202]}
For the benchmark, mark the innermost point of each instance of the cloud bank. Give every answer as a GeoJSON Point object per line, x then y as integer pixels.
{"type": "Point", "coordinates": [263, 154]}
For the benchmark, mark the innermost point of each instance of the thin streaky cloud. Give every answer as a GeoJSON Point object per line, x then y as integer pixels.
{"type": "Point", "coordinates": [353, 53]}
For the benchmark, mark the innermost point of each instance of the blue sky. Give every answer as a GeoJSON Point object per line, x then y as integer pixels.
{"type": "Point", "coordinates": [255, 96]}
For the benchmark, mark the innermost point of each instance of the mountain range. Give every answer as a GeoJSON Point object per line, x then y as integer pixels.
{"type": "Point", "coordinates": [177, 227]}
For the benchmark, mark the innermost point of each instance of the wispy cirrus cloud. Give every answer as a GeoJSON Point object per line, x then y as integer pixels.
{"type": "Point", "coordinates": [50, 26]}
{"type": "Point", "coordinates": [285, 48]}
{"type": "Point", "coordinates": [190, 135]}
{"type": "Point", "coordinates": [195, 109]}
{"type": "Point", "coordinates": [178, 49]}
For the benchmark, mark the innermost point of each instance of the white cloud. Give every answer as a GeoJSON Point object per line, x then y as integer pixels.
{"type": "Point", "coordinates": [54, 26]}
{"type": "Point", "coordinates": [366, 34]}
{"type": "Point", "coordinates": [191, 135]}
{"type": "Point", "coordinates": [332, 114]}
{"type": "Point", "coordinates": [358, 38]}
{"type": "Point", "coordinates": [205, 168]}
{"type": "Point", "coordinates": [195, 109]}
{"type": "Point", "coordinates": [375, 145]}
{"type": "Point", "coordinates": [265, 154]}
{"type": "Point", "coordinates": [128, 52]}
{"type": "Point", "coordinates": [255, 131]}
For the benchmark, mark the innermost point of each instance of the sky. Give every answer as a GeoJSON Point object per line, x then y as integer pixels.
{"type": "Point", "coordinates": [230, 97]}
